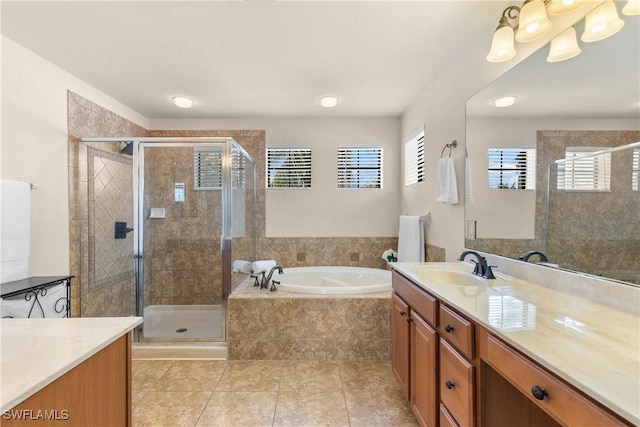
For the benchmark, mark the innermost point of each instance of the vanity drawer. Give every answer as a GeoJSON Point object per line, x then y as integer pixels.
{"type": "Point", "coordinates": [457, 330]}
{"type": "Point", "coordinates": [456, 384]}
{"type": "Point", "coordinates": [558, 399]}
{"type": "Point", "coordinates": [419, 301]}
{"type": "Point", "coordinates": [446, 420]}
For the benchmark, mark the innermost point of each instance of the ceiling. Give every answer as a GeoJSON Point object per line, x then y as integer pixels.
{"type": "Point", "coordinates": [255, 57]}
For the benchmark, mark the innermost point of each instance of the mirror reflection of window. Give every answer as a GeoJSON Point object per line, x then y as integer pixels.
{"type": "Point", "coordinates": [512, 168]}
{"type": "Point", "coordinates": [583, 171]}
{"type": "Point", "coordinates": [635, 174]}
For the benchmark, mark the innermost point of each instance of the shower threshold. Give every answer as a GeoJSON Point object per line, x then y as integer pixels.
{"type": "Point", "coordinates": [204, 351]}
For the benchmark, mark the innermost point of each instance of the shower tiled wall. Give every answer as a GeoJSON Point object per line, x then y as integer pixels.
{"type": "Point", "coordinates": [182, 250]}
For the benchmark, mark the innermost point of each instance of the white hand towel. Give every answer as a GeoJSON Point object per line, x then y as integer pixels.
{"type": "Point", "coordinates": [263, 265]}
{"type": "Point", "coordinates": [410, 239]}
{"type": "Point", "coordinates": [240, 266]}
{"type": "Point", "coordinates": [447, 186]}
{"type": "Point", "coordinates": [15, 214]}
{"type": "Point", "coordinates": [468, 191]}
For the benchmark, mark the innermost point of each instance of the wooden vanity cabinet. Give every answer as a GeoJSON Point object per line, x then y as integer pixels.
{"type": "Point", "coordinates": [457, 374]}
{"type": "Point", "coordinates": [414, 348]}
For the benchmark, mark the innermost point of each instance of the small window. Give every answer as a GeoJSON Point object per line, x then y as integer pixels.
{"type": "Point", "coordinates": [414, 158]}
{"type": "Point", "coordinates": [207, 169]}
{"type": "Point", "coordinates": [512, 168]}
{"type": "Point", "coordinates": [582, 171]}
{"type": "Point", "coordinates": [288, 167]}
{"type": "Point", "coordinates": [359, 167]}
{"type": "Point", "coordinates": [635, 171]}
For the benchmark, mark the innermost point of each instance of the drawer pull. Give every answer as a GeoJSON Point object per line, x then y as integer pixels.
{"type": "Point", "coordinates": [449, 384]}
{"type": "Point", "coordinates": [402, 313]}
{"type": "Point", "coordinates": [538, 392]}
{"type": "Point", "coordinates": [448, 328]}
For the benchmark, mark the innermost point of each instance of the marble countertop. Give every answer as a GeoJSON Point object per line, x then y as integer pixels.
{"type": "Point", "coordinates": [35, 352]}
{"type": "Point", "coordinates": [591, 346]}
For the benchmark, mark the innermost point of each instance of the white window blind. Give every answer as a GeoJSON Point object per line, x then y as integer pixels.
{"type": "Point", "coordinates": [207, 169]}
{"type": "Point", "coordinates": [635, 172]}
{"type": "Point", "coordinates": [584, 172]}
{"type": "Point", "coordinates": [359, 167]}
{"type": "Point", "coordinates": [414, 171]}
{"type": "Point", "coordinates": [288, 167]}
{"type": "Point", "coordinates": [512, 168]}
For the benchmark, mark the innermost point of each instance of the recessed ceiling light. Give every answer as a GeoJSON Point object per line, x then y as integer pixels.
{"type": "Point", "coordinates": [506, 101]}
{"type": "Point", "coordinates": [329, 101]}
{"type": "Point", "coordinates": [182, 101]}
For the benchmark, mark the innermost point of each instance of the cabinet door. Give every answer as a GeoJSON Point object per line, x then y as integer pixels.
{"type": "Point", "coordinates": [400, 342]}
{"type": "Point", "coordinates": [424, 348]}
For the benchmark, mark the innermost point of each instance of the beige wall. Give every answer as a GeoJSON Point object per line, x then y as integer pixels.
{"type": "Point", "coordinates": [323, 210]}
{"type": "Point", "coordinates": [34, 146]}
{"type": "Point", "coordinates": [440, 107]}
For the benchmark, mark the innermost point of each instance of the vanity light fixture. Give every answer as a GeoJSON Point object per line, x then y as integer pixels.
{"type": "Point", "coordinates": [564, 46]}
{"type": "Point", "coordinates": [182, 101]}
{"type": "Point", "coordinates": [631, 8]}
{"type": "Point", "coordinates": [505, 101]}
{"type": "Point", "coordinates": [602, 22]}
{"type": "Point", "coordinates": [329, 101]}
{"type": "Point", "coordinates": [533, 21]}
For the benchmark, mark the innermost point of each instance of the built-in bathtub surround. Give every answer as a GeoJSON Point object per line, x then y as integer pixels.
{"type": "Point", "coordinates": [97, 196]}
{"type": "Point", "coordinates": [282, 325]}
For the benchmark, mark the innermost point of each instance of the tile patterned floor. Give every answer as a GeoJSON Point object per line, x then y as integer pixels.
{"type": "Point", "coordinates": [169, 393]}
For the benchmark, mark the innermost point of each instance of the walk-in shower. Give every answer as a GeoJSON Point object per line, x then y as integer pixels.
{"type": "Point", "coordinates": [185, 208]}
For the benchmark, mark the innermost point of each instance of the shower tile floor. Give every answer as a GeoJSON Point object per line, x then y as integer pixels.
{"type": "Point", "coordinates": [183, 321]}
{"type": "Point", "coordinates": [175, 393]}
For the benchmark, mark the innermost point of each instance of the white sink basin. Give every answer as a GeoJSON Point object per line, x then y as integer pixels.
{"type": "Point", "coordinates": [449, 274]}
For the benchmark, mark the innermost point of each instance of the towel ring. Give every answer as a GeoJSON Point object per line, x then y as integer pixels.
{"type": "Point", "coordinates": [451, 146]}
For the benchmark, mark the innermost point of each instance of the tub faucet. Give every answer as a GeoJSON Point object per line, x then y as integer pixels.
{"type": "Point", "coordinates": [481, 268]}
{"type": "Point", "coordinates": [267, 278]}
{"type": "Point", "coordinates": [525, 257]}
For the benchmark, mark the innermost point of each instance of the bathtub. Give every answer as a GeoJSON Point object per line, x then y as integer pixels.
{"type": "Point", "coordinates": [333, 280]}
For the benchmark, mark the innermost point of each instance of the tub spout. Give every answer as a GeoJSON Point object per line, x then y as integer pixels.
{"type": "Point", "coordinates": [267, 278]}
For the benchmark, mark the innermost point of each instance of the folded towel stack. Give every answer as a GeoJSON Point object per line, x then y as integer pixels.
{"type": "Point", "coordinates": [240, 266]}
{"type": "Point", "coordinates": [263, 265]}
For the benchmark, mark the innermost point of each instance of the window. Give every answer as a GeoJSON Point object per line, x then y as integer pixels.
{"type": "Point", "coordinates": [359, 167]}
{"type": "Point", "coordinates": [512, 168]}
{"type": "Point", "coordinates": [288, 167]}
{"type": "Point", "coordinates": [582, 171]}
{"type": "Point", "coordinates": [414, 158]}
{"type": "Point", "coordinates": [207, 169]}
{"type": "Point", "coordinates": [635, 171]}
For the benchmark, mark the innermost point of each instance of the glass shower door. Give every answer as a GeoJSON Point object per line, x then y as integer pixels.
{"type": "Point", "coordinates": [180, 231]}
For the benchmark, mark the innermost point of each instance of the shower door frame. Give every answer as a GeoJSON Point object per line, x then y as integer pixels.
{"type": "Point", "coordinates": [139, 144]}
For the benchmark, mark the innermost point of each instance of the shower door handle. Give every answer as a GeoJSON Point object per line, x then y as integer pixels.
{"type": "Point", "coordinates": [121, 230]}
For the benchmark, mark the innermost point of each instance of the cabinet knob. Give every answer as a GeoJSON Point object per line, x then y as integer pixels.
{"type": "Point", "coordinates": [402, 313]}
{"type": "Point", "coordinates": [449, 384]}
{"type": "Point", "coordinates": [448, 328]}
{"type": "Point", "coordinates": [538, 392]}
{"type": "Point", "coordinates": [409, 319]}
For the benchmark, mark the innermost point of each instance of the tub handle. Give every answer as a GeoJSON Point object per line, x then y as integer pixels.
{"type": "Point", "coordinates": [273, 285]}
{"type": "Point", "coordinates": [256, 283]}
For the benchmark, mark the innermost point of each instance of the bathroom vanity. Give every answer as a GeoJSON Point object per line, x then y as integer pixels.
{"type": "Point", "coordinates": [71, 372]}
{"type": "Point", "coordinates": [469, 351]}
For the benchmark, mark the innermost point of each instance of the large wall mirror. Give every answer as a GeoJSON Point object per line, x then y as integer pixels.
{"type": "Point", "coordinates": [588, 103]}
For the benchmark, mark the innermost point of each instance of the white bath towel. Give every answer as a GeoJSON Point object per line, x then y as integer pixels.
{"type": "Point", "coordinates": [15, 217]}
{"type": "Point", "coordinates": [447, 186]}
{"type": "Point", "coordinates": [468, 191]}
{"type": "Point", "coordinates": [241, 266]}
{"type": "Point", "coordinates": [410, 239]}
{"type": "Point", "coordinates": [263, 265]}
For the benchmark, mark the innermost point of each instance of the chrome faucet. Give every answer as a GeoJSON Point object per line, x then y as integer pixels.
{"type": "Point", "coordinates": [525, 257]}
{"type": "Point", "coordinates": [267, 278]}
{"type": "Point", "coordinates": [481, 268]}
